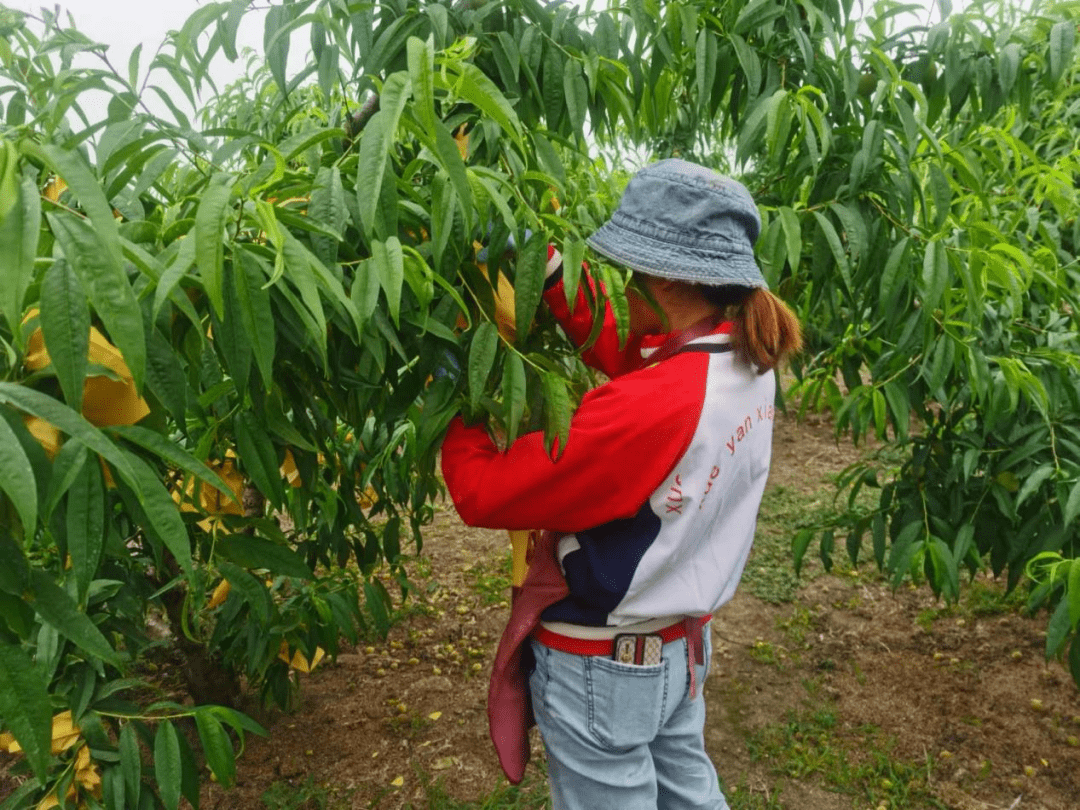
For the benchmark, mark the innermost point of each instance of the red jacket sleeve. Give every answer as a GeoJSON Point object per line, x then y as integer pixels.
{"type": "Point", "coordinates": [624, 441]}
{"type": "Point", "coordinates": [605, 354]}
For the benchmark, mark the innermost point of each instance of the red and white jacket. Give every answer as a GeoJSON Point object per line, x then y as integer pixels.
{"type": "Point", "coordinates": [656, 494]}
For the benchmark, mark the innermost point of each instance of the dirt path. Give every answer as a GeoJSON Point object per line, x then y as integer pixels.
{"type": "Point", "coordinates": [847, 696]}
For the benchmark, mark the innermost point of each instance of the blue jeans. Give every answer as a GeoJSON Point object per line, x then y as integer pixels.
{"type": "Point", "coordinates": [623, 737]}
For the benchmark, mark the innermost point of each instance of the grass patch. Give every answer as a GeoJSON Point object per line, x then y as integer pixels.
{"type": "Point", "coordinates": [531, 794]}
{"type": "Point", "coordinates": [858, 762]}
{"type": "Point", "coordinates": [491, 579]}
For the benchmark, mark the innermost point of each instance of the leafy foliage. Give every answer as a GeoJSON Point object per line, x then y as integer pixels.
{"type": "Point", "coordinates": [283, 293]}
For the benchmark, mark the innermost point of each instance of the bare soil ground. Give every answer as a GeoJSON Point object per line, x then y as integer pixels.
{"type": "Point", "coordinates": [850, 695]}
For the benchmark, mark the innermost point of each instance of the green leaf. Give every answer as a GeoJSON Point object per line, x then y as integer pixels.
{"type": "Point", "coordinates": [60, 612]}
{"type": "Point", "coordinates": [789, 221]}
{"type": "Point", "coordinates": [68, 163]}
{"type": "Point", "coordinates": [1032, 482]}
{"type": "Point", "coordinates": [168, 769]}
{"type": "Point", "coordinates": [258, 456]}
{"type": "Point", "coordinates": [1072, 506]}
{"type": "Point", "coordinates": [573, 254]}
{"type": "Point", "coordinates": [551, 80]}
{"type": "Point", "coordinates": [1008, 67]}
{"type": "Point", "coordinates": [557, 413]}
{"type": "Point", "coordinates": [421, 59]}
{"type": "Point", "coordinates": [86, 526]}
{"type": "Point", "coordinates": [891, 275]}
{"type": "Point", "coordinates": [164, 520]}
{"type": "Point", "coordinates": [256, 314]}
{"type": "Point", "coordinates": [1057, 629]}
{"type": "Point", "coordinates": [390, 264]}
{"type": "Point", "coordinates": [249, 588]}
{"type": "Point", "coordinates": [19, 231]}
{"type": "Point", "coordinates": [378, 604]}
{"type": "Point", "coordinates": [1072, 593]}
{"type": "Point", "coordinates": [835, 246]}
{"type": "Point", "coordinates": [615, 288]}
{"type": "Point", "coordinates": [173, 453]}
{"type": "Point", "coordinates": [799, 544]}
{"type": "Point", "coordinates": [513, 392]}
{"type": "Point", "coordinates": [210, 237]}
{"type": "Point", "coordinates": [65, 325]}
{"type": "Point", "coordinates": [1062, 41]}
{"type": "Point", "coordinates": [577, 95]}
{"type": "Point", "coordinates": [485, 343]}
{"type": "Point", "coordinates": [14, 570]}
{"type": "Point", "coordinates": [475, 87]}
{"type": "Point", "coordinates": [529, 283]}
{"type": "Point", "coordinates": [935, 274]}
{"type": "Point", "coordinates": [131, 763]}
{"type": "Point", "coordinates": [216, 746]}
{"type": "Point", "coordinates": [106, 283]}
{"type": "Point", "coordinates": [276, 47]}
{"type": "Point", "coordinates": [257, 553]}
{"type": "Point", "coordinates": [17, 478]}
{"type": "Point", "coordinates": [327, 206]}
{"type": "Point", "coordinates": [25, 707]}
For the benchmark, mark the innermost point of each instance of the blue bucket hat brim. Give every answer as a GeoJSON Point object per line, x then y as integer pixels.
{"type": "Point", "coordinates": [682, 221]}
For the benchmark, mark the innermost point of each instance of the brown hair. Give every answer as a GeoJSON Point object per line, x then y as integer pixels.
{"type": "Point", "coordinates": [768, 331]}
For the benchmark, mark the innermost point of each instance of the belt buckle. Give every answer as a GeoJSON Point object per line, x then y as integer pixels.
{"type": "Point", "coordinates": [638, 649]}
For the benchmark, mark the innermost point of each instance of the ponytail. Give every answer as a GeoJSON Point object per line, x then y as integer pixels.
{"type": "Point", "coordinates": [768, 330]}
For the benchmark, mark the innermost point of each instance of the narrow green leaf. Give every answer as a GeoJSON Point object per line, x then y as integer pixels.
{"type": "Point", "coordinates": [835, 246]}
{"type": "Point", "coordinates": [577, 96]}
{"type": "Point", "coordinates": [485, 343]}
{"type": "Point", "coordinates": [168, 770]}
{"type": "Point", "coordinates": [1072, 593]}
{"type": "Point", "coordinates": [276, 48]}
{"type": "Point", "coordinates": [799, 544]}
{"type": "Point", "coordinates": [573, 255]}
{"type": "Point", "coordinates": [131, 763]}
{"type": "Point", "coordinates": [789, 221]}
{"type": "Point", "coordinates": [390, 264]}
{"type": "Point", "coordinates": [173, 453]}
{"type": "Point", "coordinates": [256, 314]}
{"type": "Point", "coordinates": [106, 282]}
{"type": "Point", "coordinates": [86, 526]}
{"type": "Point", "coordinates": [19, 230]}
{"type": "Point", "coordinates": [69, 164]}
{"type": "Point", "coordinates": [891, 274]}
{"type": "Point", "coordinates": [421, 59]}
{"type": "Point", "coordinates": [210, 237]}
{"type": "Point", "coordinates": [1062, 41]}
{"type": "Point", "coordinates": [1072, 506]}
{"type": "Point", "coordinates": [935, 275]}
{"type": "Point", "coordinates": [513, 392]}
{"type": "Point", "coordinates": [551, 82]}
{"type": "Point", "coordinates": [370, 167]}
{"type": "Point", "coordinates": [615, 288]}
{"type": "Point", "coordinates": [163, 517]}
{"type": "Point", "coordinates": [474, 86]}
{"type": "Point", "coordinates": [1032, 482]}
{"type": "Point", "coordinates": [65, 325]}
{"type": "Point", "coordinates": [25, 707]}
{"type": "Point", "coordinates": [529, 283]}
{"type": "Point", "coordinates": [258, 456]}
{"type": "Point", "coordinates": [327, 206]}
{"type": "Point", "coordinates": [1057, 629]}
{"type": "Point", "coordinates": [17, 478]}
{"type": "Point", "coordinates": [248, 588]}
{"type": "Point", "coordinates": [14, 569]}
{"type": "Point", "coordinates": [216, 746]}
{"type": "Point", "coordinates": [257, 553]}
{"type": "Point", "coordinates": [57, 609]}
{"type": "Point", "coordinates": [557, 413]}
{"type": "Point", "coordinates": [378, 604]}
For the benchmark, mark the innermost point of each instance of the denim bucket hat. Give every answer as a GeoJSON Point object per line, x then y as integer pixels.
{"type": "Point", "coordinates": [682, 221]}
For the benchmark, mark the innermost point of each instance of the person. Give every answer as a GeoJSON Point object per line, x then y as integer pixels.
{"type": "Point", "coordinates": [650, 507]}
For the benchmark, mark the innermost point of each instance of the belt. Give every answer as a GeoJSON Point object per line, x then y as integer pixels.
{"type": "Point", "coordinates": [606, 646]}
{"type": "Point", "coordinates": [688, 628]}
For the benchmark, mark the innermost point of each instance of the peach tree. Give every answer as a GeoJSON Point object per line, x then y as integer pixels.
{"type": "Point", "coordinates": [232, 338]}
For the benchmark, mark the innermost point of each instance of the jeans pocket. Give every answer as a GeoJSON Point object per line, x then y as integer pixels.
{"type": "Point", "coordinates": [626, 702]}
